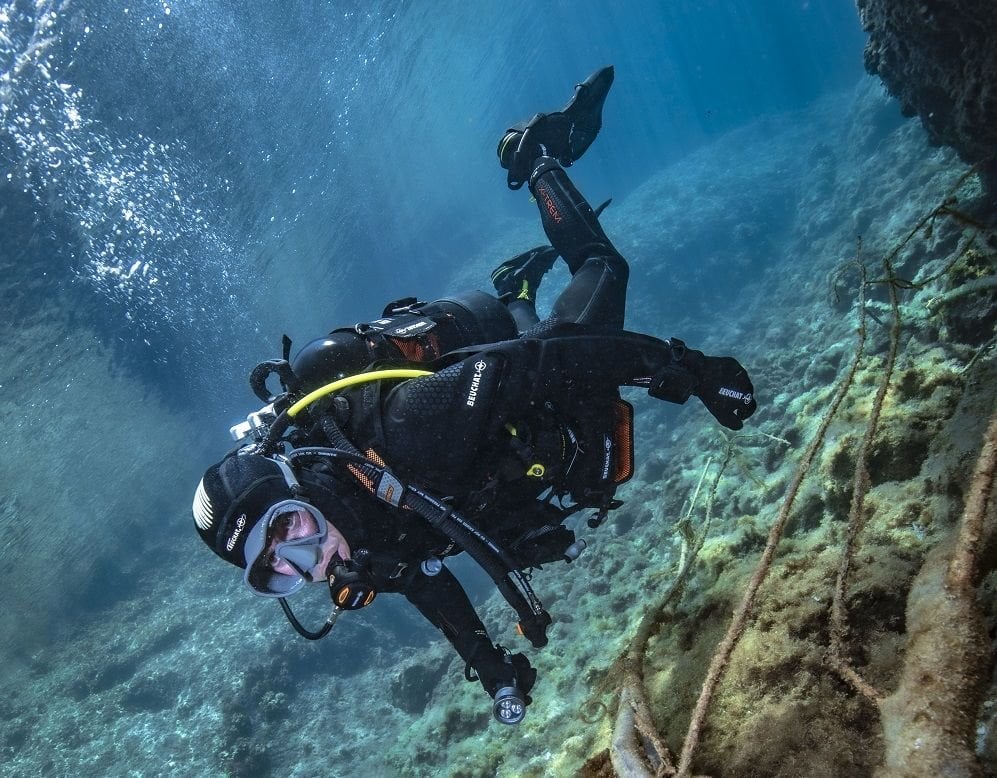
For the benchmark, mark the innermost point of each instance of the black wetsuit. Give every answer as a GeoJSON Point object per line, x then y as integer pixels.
{"type": "Point", "coordinates": [498, 425]}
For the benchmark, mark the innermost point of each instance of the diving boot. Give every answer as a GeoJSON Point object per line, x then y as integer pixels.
{"type": "Point", "coordinates": [519, 278]}
{"type": "Point", "coordinates": [564, 135]}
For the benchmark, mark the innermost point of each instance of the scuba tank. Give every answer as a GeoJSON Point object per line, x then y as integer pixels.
{"type": "Point", "coordinates": [408, 330]}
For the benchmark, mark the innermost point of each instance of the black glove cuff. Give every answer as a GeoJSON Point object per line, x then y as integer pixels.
{"type": "Point", "coordinates": [678, 380]}
{"type": "Point", "coordinates": [672, 383]}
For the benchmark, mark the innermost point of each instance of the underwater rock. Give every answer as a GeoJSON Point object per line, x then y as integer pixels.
{"type": "Point", "coordinates": [939, 59]}
{"type": "Point", "coordinates": [413, 687]}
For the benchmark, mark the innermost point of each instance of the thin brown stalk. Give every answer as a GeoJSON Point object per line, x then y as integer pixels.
{"type": "Point", "coordinates": [721, 657]}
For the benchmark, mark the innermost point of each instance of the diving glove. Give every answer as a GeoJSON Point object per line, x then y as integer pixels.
{"type": "Point", "coordinates": [726, 391]}
{"type": "Point", "coordinates": [564, 135]}
{"type": "Point", "coordinates": [721, 383]}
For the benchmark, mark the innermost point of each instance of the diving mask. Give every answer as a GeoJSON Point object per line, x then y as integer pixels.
{"type": "Point", "coordinates": [301, 553]}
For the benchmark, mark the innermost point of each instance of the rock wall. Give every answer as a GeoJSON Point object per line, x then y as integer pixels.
{"type": "Point", "coordinates": [939, 59]}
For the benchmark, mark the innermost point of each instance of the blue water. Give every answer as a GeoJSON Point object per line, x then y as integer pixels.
{"type": "Point", "coordinates": [351, 144]}
{"type": "Point", "coordinates": [183, 182]}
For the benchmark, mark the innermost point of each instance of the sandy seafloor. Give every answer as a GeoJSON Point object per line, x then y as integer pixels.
{"type": "Point", "coordinates": [174, 681]}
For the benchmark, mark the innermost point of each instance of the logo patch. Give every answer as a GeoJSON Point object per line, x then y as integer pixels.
{"type": "Point", "coordinates": [239, 525]}
{"type": "Point", "coordinates": [408, 329]}
{"type": "Point", "coordinates": [735, 395]}
{"type": "Point", "coordinates": [549, 205]}
{"type": "Point", "coordinates": [479, 368]}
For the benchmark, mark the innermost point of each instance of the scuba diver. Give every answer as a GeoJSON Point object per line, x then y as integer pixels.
{"type": "Point", "coordinates": [461, 425]}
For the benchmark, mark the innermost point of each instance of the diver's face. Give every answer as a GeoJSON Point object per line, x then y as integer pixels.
{"type": "Point", "coordinates": [301, 524]}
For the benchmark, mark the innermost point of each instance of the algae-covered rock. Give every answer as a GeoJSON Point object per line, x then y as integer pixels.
{"type": "Point", "coordinates": [939, 59]}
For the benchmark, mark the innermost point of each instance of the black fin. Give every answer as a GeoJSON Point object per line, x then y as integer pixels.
{"type": "Point", "coordinates": [529, 267]}
{"type": "Point", "coordinates": [564, 135]}
{"type": "Point", "coordinates": [584, 111]}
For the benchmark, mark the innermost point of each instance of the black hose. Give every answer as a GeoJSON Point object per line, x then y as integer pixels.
{"type": "Point", "coordinates": [513, 586]}
{"type": "Point", "coordinates": [317, 635]}
{"type": "Point", "coordinates": [448, 521]}
{"type": "Point", "coordinates": [275, 433]}
{"type": "Point", "coordinates": [343, 443]}
{"type": "Point", "coordinates": [533, 619]}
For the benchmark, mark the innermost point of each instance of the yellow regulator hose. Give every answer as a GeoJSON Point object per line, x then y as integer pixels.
{"type": "Point", "coordinates": [353, 380]}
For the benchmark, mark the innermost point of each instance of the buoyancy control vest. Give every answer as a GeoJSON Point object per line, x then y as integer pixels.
{"type": "Point", "coordinates": [454, 432]}
{"type": "Point", "coordinates": [474, 430]}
